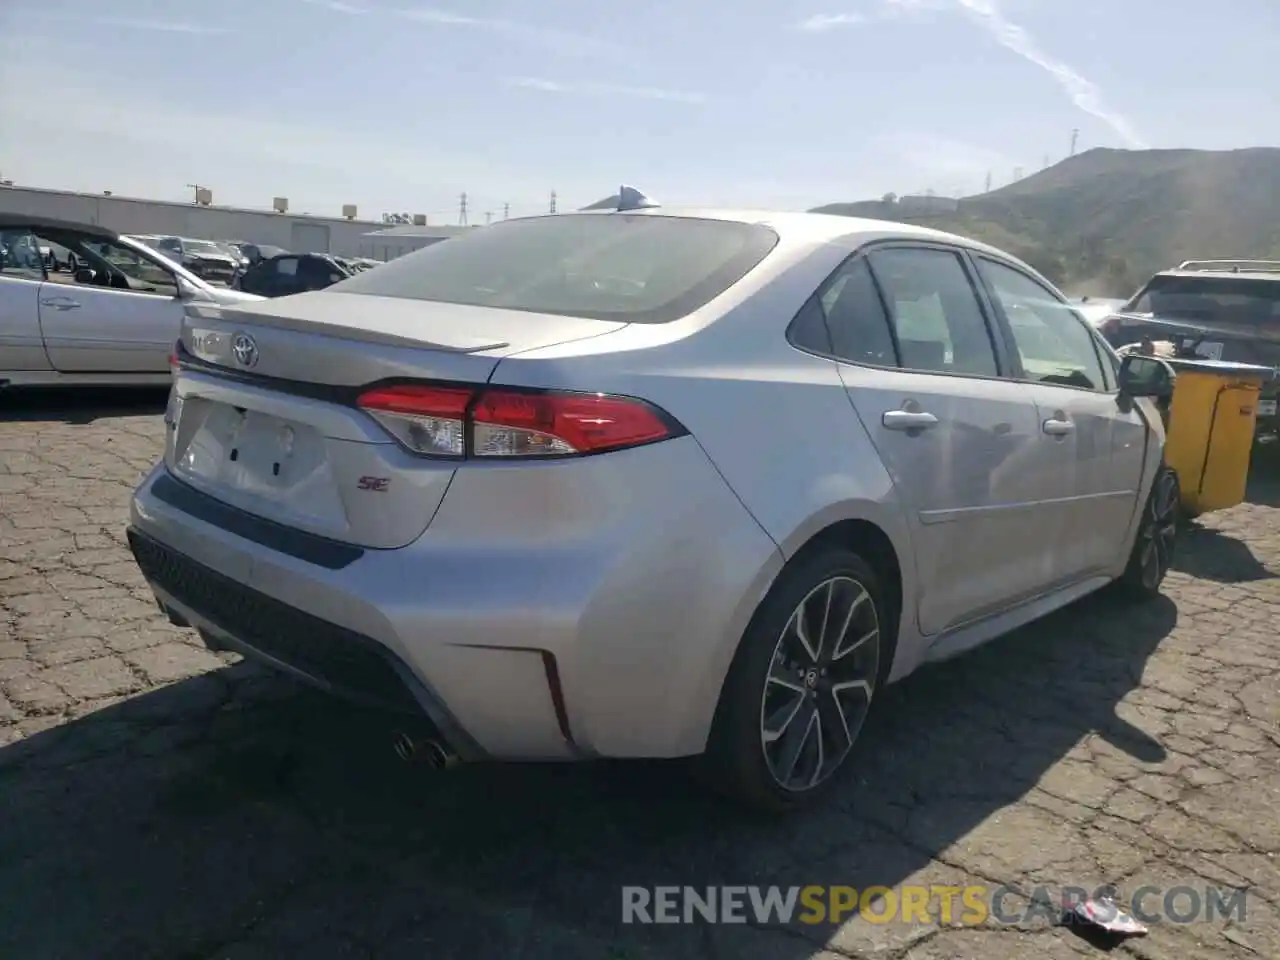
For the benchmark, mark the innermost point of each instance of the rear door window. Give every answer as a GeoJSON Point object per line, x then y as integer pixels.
{"type": "Point", "coordinates": [935, 311]}
{"type": "Point", "coordinates": [632, 268]}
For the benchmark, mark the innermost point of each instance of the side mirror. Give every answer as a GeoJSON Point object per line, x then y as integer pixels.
{"type": "Point", "coordinates": [1142, 376]}
{"type": "Point", "coordinates": [84, 275]}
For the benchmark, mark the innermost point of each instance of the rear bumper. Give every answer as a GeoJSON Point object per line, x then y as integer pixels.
{"type": "Point", "coordinates": [558, 639]}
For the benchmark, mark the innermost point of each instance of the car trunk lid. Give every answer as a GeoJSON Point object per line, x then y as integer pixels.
{"type": "Point", "coordinates": [263, 412]}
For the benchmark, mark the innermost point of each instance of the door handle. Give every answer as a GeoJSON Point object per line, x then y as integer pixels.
{"type": "Point", "coordinates": [60, 303]}
{"type": "Point", "coordinates": [908, 420]}
{"type": "Point", "coordinates": [1058, 428]}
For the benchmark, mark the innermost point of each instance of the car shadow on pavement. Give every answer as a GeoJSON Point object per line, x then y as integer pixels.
{"type": "Point", "coordinates": [236, 815]}
{"type": "Point", "coordinates": [1217, 555]}
{"type": "Point", "coordinates": [83, 406]}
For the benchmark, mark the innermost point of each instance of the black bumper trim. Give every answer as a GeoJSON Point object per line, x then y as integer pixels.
{"type": "Point", "coordinates": [309, 547]}
{"type": "Point", "coordinates": [334, 658]}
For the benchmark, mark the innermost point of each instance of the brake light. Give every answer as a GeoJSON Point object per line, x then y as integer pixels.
{"type": "Point", "coordinates": [173, 357]}
{"type": "Point", "coordinates": [461, 421]}
{"type": "Point", "coordinates": [425, 419]}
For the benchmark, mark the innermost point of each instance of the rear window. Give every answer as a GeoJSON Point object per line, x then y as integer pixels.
{"type": "Point", "coordinates": [630, 268]}
{"type": "Point", "coordinates": [1246, 301]}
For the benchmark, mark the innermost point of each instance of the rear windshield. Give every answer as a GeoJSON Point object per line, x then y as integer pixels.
{"type": "Point", "coordinates": [637, 268]}
{"type": "Point", "coordinates": [1231, 300]}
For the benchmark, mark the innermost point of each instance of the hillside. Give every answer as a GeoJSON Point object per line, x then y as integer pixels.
{"type": "Point", "coordinates": [1102, 221]}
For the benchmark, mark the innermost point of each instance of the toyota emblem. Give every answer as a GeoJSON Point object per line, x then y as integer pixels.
{"type": "Point", "coordinates": [244, 350]}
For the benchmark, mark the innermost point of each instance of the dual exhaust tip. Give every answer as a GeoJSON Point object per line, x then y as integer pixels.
{"type": "Point", "coordinates": [432, 752]}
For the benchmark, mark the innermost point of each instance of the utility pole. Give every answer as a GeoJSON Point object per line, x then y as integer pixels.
{"type": "Point", "coordinates": [462, 210]}
{"type": "Point", "coordinates": [506, 210]}
{"type": "Point", "coordinates": [197, 188]}
{"type": "Point", "coordinates": [1075, 135]}
{"type": "Point", "coordinates": [988, 181]}
{"type": "Point", "coordinates": [488, 217]}
{"type": "Point", "coordinates": [553, 201]}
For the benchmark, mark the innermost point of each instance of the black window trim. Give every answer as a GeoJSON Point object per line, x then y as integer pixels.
{"type": "Point", "coordinates": [995, 331]}
{"type": "Point", "coordinates": [1018, 372]}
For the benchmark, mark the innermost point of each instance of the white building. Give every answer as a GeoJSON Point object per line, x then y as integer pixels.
{"type": "Point", "coordinates": [299, 233]}
{"type": "Point", "coordinates": [395, 242]}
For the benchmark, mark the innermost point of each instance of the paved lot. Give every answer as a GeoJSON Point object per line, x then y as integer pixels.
{"type": "Point", "coordinates": [156, 801]}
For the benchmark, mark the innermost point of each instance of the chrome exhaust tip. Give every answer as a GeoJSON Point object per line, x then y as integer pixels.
{"type": "Point", "coordinates": [405, 746]}
{"type": "Point", "coordinates": [432, 752]}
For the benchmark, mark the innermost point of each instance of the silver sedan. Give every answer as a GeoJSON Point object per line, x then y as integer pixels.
{"type": "Point", "coordinates": [652, 483]}
{"type": "Point", "coordinates": [113, 320]}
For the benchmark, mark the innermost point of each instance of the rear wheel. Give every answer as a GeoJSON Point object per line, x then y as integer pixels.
{"type": "Point", "coordinates": [1157, 540]}
{"type": "Point", "coordinates": [801, 684]}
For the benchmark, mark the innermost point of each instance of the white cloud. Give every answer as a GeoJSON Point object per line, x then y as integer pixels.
{"type": "Point", "coordinates": [1083, 93]}
{"type": "Point", "coordinates": [156, 26]}
{"type": "Point", "coordinates": [549, 38]}
{"type": "Point", "coordinates": [987, 16]}
{"type": "Point", "coordinates": [244, 159]}
{"type": "Point", "coordinates": [822, 22]}
{"type": "Point", "coordinates": [591, 88]}
{"type": "Point", "coordinates": [337, 6]}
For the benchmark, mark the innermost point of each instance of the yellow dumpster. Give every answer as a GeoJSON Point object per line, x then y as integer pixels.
{"type": "Point", "coordinates": [1210, 427]}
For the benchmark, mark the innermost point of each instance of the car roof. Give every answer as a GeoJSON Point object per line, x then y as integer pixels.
{"type": "Point", "coordinates": [9, 221]}
{"type": "Point", "coordinates": [1223, 274]}
{"type": "Point", "coordinates": [816, 228]}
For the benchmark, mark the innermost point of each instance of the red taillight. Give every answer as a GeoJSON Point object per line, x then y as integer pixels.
{"type": "Point", "coordinates": [426, 419]}
{"type": "Point", "coordinates": [460, 421]}
{"type": "Point", "coordinates": [173, 357]}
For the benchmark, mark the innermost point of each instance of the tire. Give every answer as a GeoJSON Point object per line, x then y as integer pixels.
{"type": "Point", "coordinates": [1155, 546]}
{"type": "Point", "coordinates": [775, 679]}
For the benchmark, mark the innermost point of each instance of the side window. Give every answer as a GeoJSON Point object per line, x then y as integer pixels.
{"type": "Point", "coordinates": [809, 328]}
{"type": "Point", "coordinates": [20, 255]}
{"type": "Point", "coordinates": [286, 267]}
{"type": "Point", "coordinates": [855, 316]}
{"type": "Point", "coordinates": [1054, 343]}
{"type": "Point", "coordinates": [935, 311]}
{"type": "Point", "coordinates": [119, 267]}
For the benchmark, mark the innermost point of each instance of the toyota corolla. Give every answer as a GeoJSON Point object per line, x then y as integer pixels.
{"type": "Point", "coordinates": [652, 483]}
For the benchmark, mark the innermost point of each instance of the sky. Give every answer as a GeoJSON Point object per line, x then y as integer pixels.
{"type": "Point", "coordinates": [399, 107]}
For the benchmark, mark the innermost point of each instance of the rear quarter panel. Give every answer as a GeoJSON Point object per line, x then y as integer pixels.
{"type": "Point", "coordinates": [776, 422]}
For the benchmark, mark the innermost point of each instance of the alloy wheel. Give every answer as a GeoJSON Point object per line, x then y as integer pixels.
{"type": "Point", "coordinates": [1159, 531]}
{"type": "Point", "coordinates": [821, 680]}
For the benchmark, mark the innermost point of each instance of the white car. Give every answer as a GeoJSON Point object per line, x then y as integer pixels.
{"type": "Point", "coordinates": [113, 321]}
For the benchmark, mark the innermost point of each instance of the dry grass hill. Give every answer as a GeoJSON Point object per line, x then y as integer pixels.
{"type": "Point", "coordinates": [1101, 222]}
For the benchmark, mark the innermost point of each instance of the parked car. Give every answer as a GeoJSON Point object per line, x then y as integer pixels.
{"type": "Point", "coordinates": [114, 321]}
{"type": "Point", "coordinates": [1216, 309]}
{"type": "Point", "coordinates": [254, 252]}
{"type": "Point", "coordinates": [291, 273]}
{"type": "Point", "coordinates": [1095, 309]}
{"type": "Point", "coordinates": [647, 483]}
{"type": "Point", "coordinates": [205, 258]}
{"type": "Point", "coordinates": [234, 252]}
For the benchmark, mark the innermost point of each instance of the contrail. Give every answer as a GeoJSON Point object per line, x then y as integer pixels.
{"type": "Point", "coordinates": [1082, 92]}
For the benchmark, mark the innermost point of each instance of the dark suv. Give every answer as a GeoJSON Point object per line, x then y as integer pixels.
{"type": "Point", "coordinates": [293, 273]}
{"type": "Point", "coordinates": [1216, 309]}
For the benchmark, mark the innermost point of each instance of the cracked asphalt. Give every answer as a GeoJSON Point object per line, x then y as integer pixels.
{"type": "Point", "coordinates": [159, 801]}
